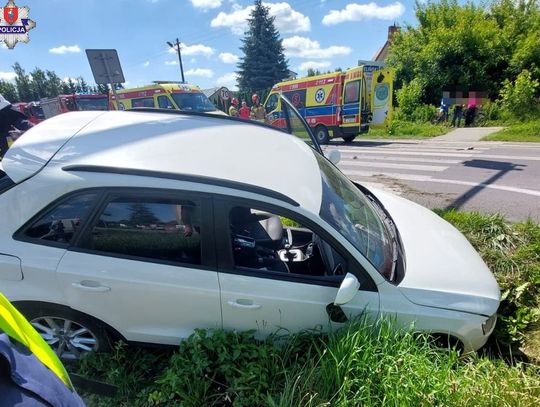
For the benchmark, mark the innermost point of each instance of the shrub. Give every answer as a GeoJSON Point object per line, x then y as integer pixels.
{"type": "Point", "coordinates": [409, 98]}
{"type": "Point", "coordinates": [519, 97]}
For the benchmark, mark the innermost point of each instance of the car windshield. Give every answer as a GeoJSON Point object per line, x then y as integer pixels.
{"type": "Point", "coordinates": [193, 102]}
{"type": "Point", "coordinates": [355, 217]}
{"type": "Point", "coordinates": [92, 103]}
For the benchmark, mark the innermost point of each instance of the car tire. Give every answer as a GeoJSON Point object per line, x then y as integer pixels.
{"type": "Point", "coordinates": [321, 134]}
{"type": "Point", "coordinates": [348, 139]}
{"type": "Point", "coordinates": [71, 334]}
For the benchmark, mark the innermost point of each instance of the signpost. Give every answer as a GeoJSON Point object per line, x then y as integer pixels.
{"type": "Point", "coordinates": [224, 93]}
{"type": "Point", "coordinates": [106, 68]}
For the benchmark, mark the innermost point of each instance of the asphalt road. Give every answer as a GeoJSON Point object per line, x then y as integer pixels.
{"type": "Point", "coordinates": [490, 177]}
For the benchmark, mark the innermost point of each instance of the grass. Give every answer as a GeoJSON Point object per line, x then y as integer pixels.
{"type": "Point", "coordinates": [520, 131]}
{"type": "Point", "coordinates": [361, 364]}
{"type": "Point", "coordinates": [405, 129]}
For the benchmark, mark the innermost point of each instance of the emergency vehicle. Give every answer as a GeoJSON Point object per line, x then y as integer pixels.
{"type": "Point", "coordinates": [72, 103]}
{"type": "Point", "coordinates": [164, 95]}
{"type": "Point", "coordinates": [31, 110]}
{"type": "Point", "coordinates": [343, 103]}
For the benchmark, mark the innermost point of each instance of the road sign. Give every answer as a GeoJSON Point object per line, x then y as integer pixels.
{"type": "Point", "coordinates": [105, 66]}
{"type": "Point", "coordinates": [224, 94]}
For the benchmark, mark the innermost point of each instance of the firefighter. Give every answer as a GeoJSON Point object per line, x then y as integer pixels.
{"type": "Point", "coordinates": [12, 124]}
{"type": "Point", "coordinates": [257, 110]}
{"type": "Point", "coordinates": [233, 109]}
{"type": "Point", "coordinates": [30, 372]}
{"type": "Point", "coordinates": [244, 111]}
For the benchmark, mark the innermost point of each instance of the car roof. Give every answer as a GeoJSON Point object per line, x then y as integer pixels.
{"type": "Point", "coordinates": [197, 145]}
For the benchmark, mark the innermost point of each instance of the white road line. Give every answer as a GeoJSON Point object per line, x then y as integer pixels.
{"type": "Point", "coordinates": [414, 167]}
{"type": "Point", "coordinates": [360, 157]}
{"type": "Point", "coordinates": [427, 178]}
{"type": "Point", "coordinates": [380, 151]}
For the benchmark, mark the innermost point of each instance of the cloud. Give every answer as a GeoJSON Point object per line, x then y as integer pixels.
{"type": "Point", "coordinates": [67, 78]}
{"type": "Point", "coordinates": [287, 20]}
{"type": "Point", "coordinates": [7, 76]}
{"type": "Point", "coordinates": [192, 61]}
{"type": "Point", "coordinates": [228, 58]}
{"type": "Point", "coordinates": [197, 49]}
{"type": "Point", "coordinates": [358, 12]}
{"type": "Point", "coordinates": [230, 80]}
{"type": "Point", "coordinates": [205, 73]}
{"type": "Point", "coordinates": [146, 64]}
{"type": "Point", "coordinates": [206, 4]}
{"type": "Point", "coordinates": [3, 46]}
{"type": "Point", "coordinates": [65, 49]}
{"type": "Point", "coordinates": [173, 62]}
{"type": "Point", "coordinates": [303, 47]}
{"type": "Point", "coordinates": [304, 66]}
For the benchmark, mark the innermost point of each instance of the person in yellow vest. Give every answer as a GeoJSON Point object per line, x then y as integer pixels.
{"type": "Point", "coordinates": [30, 372]}
{"type": "Point", "coordinates": [257, 110]}
{"type": "Point", "coordinates": [233, 109]}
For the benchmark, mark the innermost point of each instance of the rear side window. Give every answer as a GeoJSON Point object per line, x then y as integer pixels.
{"type": "Point", "coordinates": [60, 223]}
{"type": "Point", "coordinates": [151, 228]}
{"type": "Point", "coordinates": [352, 92]}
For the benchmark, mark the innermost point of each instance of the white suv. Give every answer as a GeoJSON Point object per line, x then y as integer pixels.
{"type": "Point", "coordinates": [146, 225]}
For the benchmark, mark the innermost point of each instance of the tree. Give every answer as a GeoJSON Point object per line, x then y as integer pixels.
{"type": "Point", "coordinates": [9, 91]}
{"type": "Point", "coordinates": [23, 84]}
{"type": "Point", "coordinates": [81, 85]}
{"type": "Point", "coordinates": [313, 72]}
{"type": "Point", "coordinates": [140, 214]}
{"type": "Point", "coordinates": [263, 63]}
{"type": "Point", "coordinates": [467, 46]}
{"type": "Point", "coordinates": [39, 84]}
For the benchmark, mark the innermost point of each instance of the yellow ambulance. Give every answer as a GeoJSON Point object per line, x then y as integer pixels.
{"type": "Point", "coordinates": [337, 104]}
{"type": "Point", "coordinates": [164, 95]}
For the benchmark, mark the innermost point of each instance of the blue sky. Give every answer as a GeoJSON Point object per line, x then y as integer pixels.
{"type": "Point", "coordinates": [321, 34]}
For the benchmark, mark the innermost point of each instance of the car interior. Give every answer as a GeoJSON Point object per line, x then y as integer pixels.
{"type": "Point", "coordinates": [262, 241]}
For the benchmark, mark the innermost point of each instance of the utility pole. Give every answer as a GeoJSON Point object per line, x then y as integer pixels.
{"type": "Point", "coordinates": [176, 46]}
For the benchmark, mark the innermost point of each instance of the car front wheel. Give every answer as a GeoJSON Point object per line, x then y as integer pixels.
{"type": "Point", "coordinates": [69, 333]}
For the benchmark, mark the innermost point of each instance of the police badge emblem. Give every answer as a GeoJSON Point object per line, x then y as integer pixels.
{"type": "Point", "coordinates": [14, 24]}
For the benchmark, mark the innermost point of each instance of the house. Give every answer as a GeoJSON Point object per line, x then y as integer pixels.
{"type": "Point", "coordinates": [382, 53]}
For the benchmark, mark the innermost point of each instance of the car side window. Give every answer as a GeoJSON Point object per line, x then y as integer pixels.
{"type": "Point", "coordinates": [142, 102]}
{"type": "Point", "coordinates": [264, 241]}
{"type": "Point", "coordinates": [60, 223]}
{"type": "Point", "coordinates": [146, 227]}
{"type": "Point", "coordinates": [352, 92]}
{"type": "Point", "coordinates": [271, 103]}
{"type": "Point", "coordinates": [164, 102]}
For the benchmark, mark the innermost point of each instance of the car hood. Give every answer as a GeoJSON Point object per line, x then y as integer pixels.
{"type": "Point", "coordinates": [443, 269]}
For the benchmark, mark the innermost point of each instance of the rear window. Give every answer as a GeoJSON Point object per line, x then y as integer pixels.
{"type": "Point", "coordinates": [5, 182]}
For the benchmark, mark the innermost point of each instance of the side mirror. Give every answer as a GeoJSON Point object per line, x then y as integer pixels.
{"type": "Point", "coordinates": [347, 290]}
{"type": "Point", "coordinates": [334, 156]}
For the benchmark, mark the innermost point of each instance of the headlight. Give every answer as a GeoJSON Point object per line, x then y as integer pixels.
{"type": "Point", "coordinates": [487, 326]}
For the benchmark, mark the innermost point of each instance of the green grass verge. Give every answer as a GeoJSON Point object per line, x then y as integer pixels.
{"type": "Point", "coordinates": [528, 131]}
{"type": "Point", "coordinates": [406, 130]}
{"type": "Point", "coordinates": [362, 364]}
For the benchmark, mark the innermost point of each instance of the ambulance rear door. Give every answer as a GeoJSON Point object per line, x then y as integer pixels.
{"type": "Point", "coordinates": [353, 89]}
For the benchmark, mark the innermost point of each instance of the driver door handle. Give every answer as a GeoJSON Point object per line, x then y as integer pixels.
{"type": "Point", "coordinates": [243, 304]}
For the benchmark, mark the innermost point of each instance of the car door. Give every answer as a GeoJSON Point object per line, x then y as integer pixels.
{"type": "Point", "coordinates": [352, 97]}
{"type": "Point", "coordinates": [271, 298]}
{"type": "Point", "coordinates": [145, 265]}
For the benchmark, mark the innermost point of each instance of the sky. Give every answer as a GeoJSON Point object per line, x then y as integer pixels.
{"type": "Point", "coordinates": [321, 34]}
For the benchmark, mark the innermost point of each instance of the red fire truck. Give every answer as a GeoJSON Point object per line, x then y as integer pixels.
{"type": "Point", "coordinates": [76, 102]}
{"type": "Point", "coordinates": [31, 110]}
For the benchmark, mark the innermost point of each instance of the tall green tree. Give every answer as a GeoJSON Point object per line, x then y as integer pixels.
{"type": "Point", "coordinates": [23, 84]}
{"type": "Point", "coordinates": [9, 91]}
{"type": "Point", "coordinates": [263, 63]}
